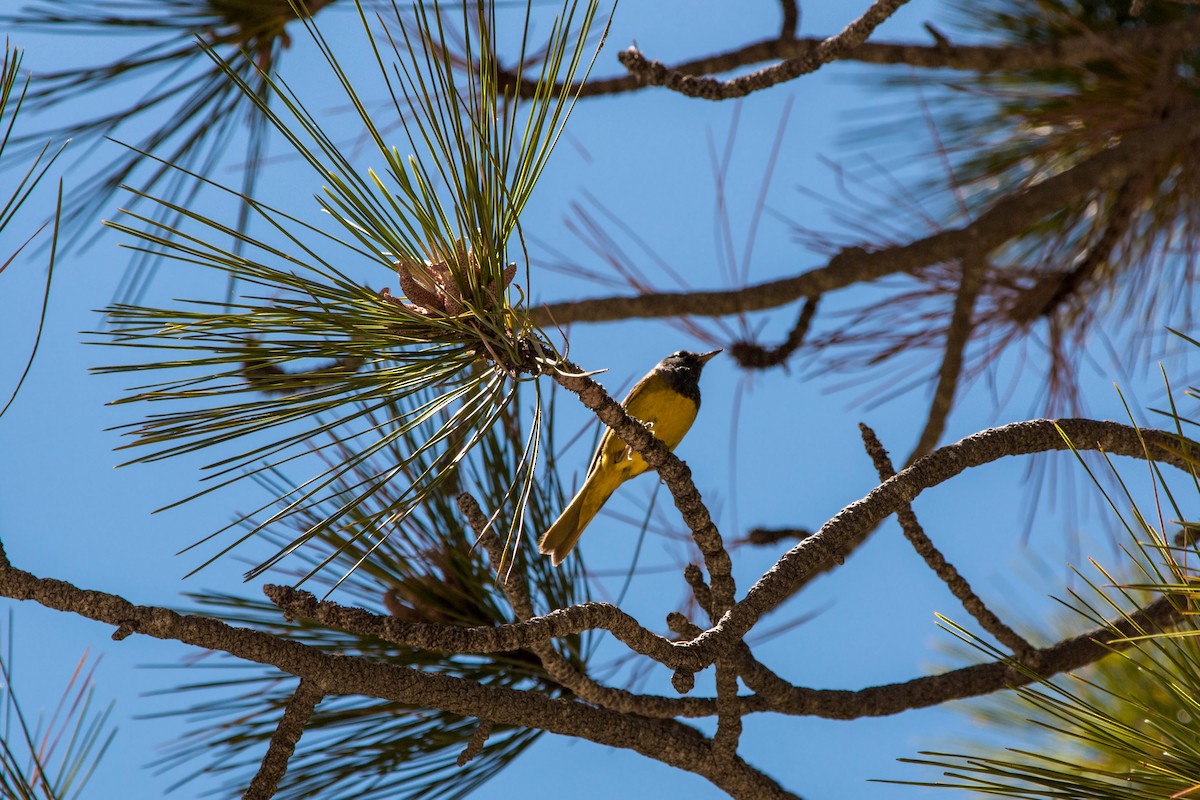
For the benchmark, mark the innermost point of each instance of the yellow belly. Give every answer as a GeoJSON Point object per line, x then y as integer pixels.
{"type": "Point", "coordinates": [666, 413]}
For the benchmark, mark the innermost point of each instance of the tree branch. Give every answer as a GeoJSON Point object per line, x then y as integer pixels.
{"type": "Point", "coordinates": [521, 635]}
{"type": "Point", "coordinates": [750, 355]}
{"type": "Point", "coordinates": [655, 73]}
{"type": "Point", "coordinates": [283, 742]}
{"type": "Point", "coordinates": [475, 746]}
{"type": "Point", "coordinates": [791, 19]}
{"type": "Point", "coordinates": [856, 520]}
{"type": "Point", "coordinates": [1006, 218]}
{"type": "Point", "coordinates": [672, 743]}
{"type": "Point", "coordinates": [516, 589]}
{"type": "Point", "coordinates": [958, 333]}
{"type": "Point", "coordinates": [955, 582]}
{"type": "Point", "coordinates": [1180, 35]}
{"type": "Point", "coordinates": [979, 679]}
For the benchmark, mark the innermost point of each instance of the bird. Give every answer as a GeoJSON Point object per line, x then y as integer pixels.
{"type": "Point", "coordinates": [666, 401]}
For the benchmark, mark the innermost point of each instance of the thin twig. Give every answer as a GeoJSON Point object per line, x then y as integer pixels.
{"type": "Point", "coordinates": [655, 73]}
{"type": "Point", "coordinates": [1052, 292]}
{"type": "Point", "coordinates": [791, 19]}
{"type": "Point", "coordinates": [270, 378]}
{"type": "Point", "coordinates": [694, 577]}
{"type": "Point", "coordinates": [1183, 34]}
{"type": "Point", "coordinates": [1007, 217]}
{"type": "Point", "coordinates": [958, 333]}
{"type": "Point", "coordinates": [291, 727]}
{"type": "Point", "coordinates": [475, 746]}
{"type": "Point", "coordinates": [956, 583]}
{"type": "Point", "coordinates": [751, 355]}
{"type": "Point", "coordinates": [766, 536]}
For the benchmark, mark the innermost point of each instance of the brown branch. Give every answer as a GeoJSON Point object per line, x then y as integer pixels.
{"type": "Point", "coordinates": [729, 711]}
{"type": "Point", "coordinates": [694, 577]}
{"type": "Point", "coordinates": [958, 333]}
{"type": "Point", "coordinates": [859, 518]}
{"type": "Point", "coordinates": [750, 355]}
{"type": "Point", "coordinates": [1182, 34]}
{"type": "Point", "coordinates": [475, 746]}
{"type": "Point", "coordinates": [765, 536]}
{"type": "Point", "coordinates": [512, 581]}
{"type": "Point", "coordinates": [956, 583]}
{"type": "Point", "coordinates": [283, 742]}
{"type": "Point", "coordinates": [806, 558]}
{"type": "Point", "coordinates": [729, 705]}
{"type": "Point", "coordinates": [655, 73]}
{"type": "Point", "coordinates": [1055, 290]}
{"type": "Point", "coordinates": [979, 679]}
{"type": "Point", "coordinates": [791, 19]}
{"type": "Point", "coordinates": [516, 588]}
{"type": "Point", "coordinates": [976, 680]}
{"type": "Point", "coordinates": [673, 743]}
{"type": "Point", "coordinates": [270, 378]}
{"type": "Point", "coordinates": [757, 676]}
{"type": "Point", "coordinates": [1006, 218]}
{"type": "Point", "coordinates": [669, 742]}
{"type": "Point", "coordinates": [527, 633]}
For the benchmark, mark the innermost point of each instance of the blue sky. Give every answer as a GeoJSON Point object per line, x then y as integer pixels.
{"type": "Point", "coordinates": [65, 512]}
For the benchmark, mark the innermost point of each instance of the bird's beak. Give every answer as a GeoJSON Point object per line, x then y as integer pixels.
{"type": "Point", "coordinates": [704, 357]}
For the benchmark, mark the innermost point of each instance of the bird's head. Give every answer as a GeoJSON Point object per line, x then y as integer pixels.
{"type": "Point", "coordinates": [686, 362]}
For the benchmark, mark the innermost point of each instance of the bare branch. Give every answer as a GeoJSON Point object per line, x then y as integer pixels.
{"type": "Point", "coordinates": [525, 634]}
{"type": "Point", "coordinates": [672, 743]}
{"type": "Point", "coordinates": [974, 681]}
{"type": "Point", "coordinates": [791, 19]}
{"type": "Point", "coordinates": [754, 356]}
{"type": "Point", "coordinates": [1180, 35]}
{"type": "Point", "coordinates": [475, 746]}
{"type": "Point", "coordinates": [1007, 217]}
{"type": "Point", "coordinates": [729, 707]}
{"type": "Point", "coordinates": [655, 73]}
{"type": "Point", "coordinates": [729, 718]}
{"type": "Point", "coordinates": [958, 333]}
{"type": "Point", "coordinates": [765, 536]}
{"type": "Point", "coordinates": [979, 679]}
{"type": "Point", "coordinates": [517, 590]}
{"type": "Point", "coordinates": [955, 582]}
{"type": "Point", "coordinates": [856, 520]}
{"type": "Point", "coordinates": [808, 557]}
{"type": "Point", "coordinates": [283, 742]}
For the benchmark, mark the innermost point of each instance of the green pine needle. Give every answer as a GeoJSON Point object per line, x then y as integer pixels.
{"type": "Point", "coordinates": [329, 353]}
{"type": "Point", "coordinates": [425, 571]}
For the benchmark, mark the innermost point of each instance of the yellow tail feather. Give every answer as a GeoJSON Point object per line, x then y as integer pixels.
{"type": "Point", "coordinates": [560, 538]}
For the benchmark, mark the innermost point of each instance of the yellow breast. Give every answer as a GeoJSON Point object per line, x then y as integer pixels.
{"type": "Point", "coordinates": [665, 412]}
